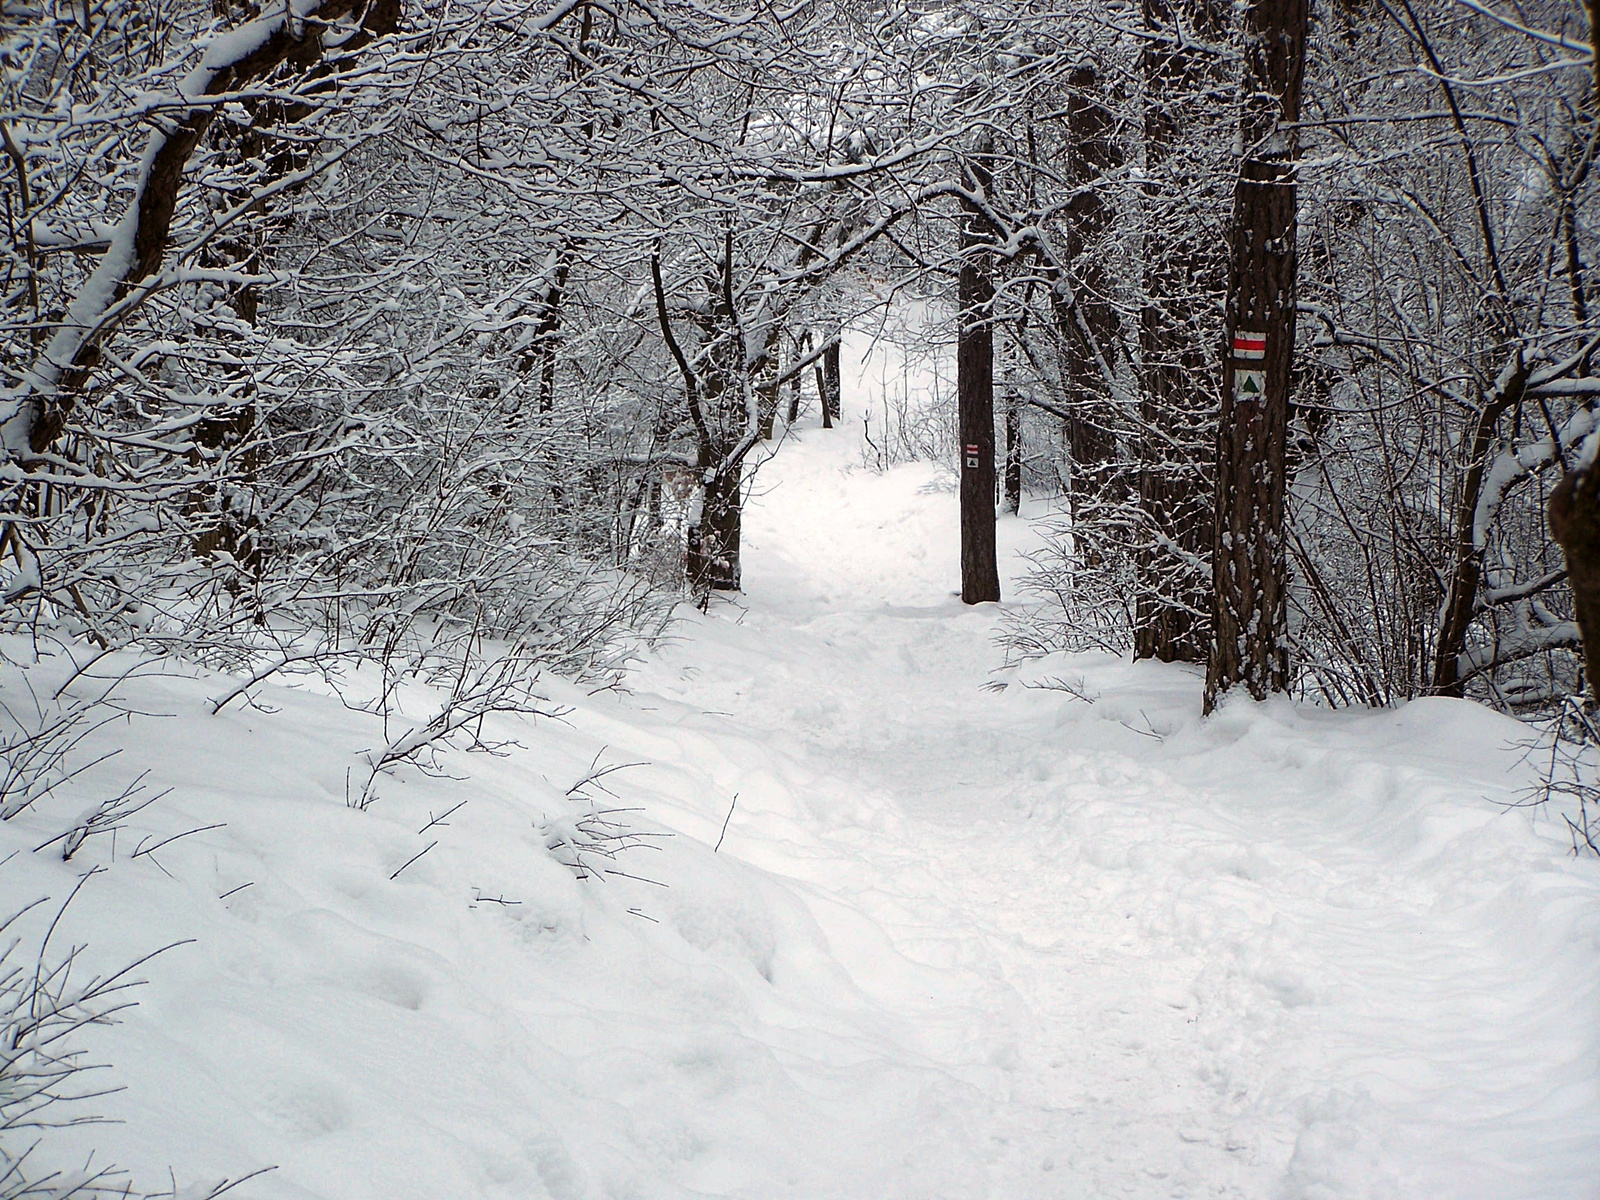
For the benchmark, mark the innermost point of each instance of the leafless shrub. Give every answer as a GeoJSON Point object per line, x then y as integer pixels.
{"type": "Point", "coordinates": [48, 1000]}
{"type": "Point", "coordinates": [1568, 750]}
{"type": "Point", "coordinates": [479, 685]}
{"type": "Point", "coordinates": [37, 742]}
{"type": "Point", "coordinates": [1071, 605]}
{"type": "Point", "coordinates": [592, 840]}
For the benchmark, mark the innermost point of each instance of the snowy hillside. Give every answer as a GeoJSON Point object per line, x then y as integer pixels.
{"type": "Point", "coordinates": [960, 940]}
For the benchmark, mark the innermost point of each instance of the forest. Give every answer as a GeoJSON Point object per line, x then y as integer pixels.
{"type": "Point", "coordinates": [327, 320]}
{"type": "Point", "coordinates": [441, 340]}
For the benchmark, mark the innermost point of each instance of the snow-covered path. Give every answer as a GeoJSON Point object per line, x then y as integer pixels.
{"type": "Point", "coordinates": [1280, 954]}
{"type": "Point", "coordinates": [969, 935]}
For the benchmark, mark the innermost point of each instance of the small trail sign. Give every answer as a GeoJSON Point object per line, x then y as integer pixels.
{"type": "Point", "coordinates": [1249, 385]}
{"type": "Point", "coordinates": [972, 458]}
{"type": "Point", "coordinates": [1247, 345]}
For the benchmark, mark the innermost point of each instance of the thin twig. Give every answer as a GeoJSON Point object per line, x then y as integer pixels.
{"type": "Point", "coordinates": [414, 858]}
{"type": "Point", "coordinates": [440, 819]}
{"type": "Point", "coordinates": [725, 821]}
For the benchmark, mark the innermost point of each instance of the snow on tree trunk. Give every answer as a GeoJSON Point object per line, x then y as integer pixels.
{"type": "Point", "coordinates": [1091, 327]}
{"type": "Point", "coordinates": [713, 557]}
{"type": "Point", "coordinates": [1183, 269]}
{"type": "Point", "coordinates": [286, 33]}
{"type": "Point", "coordinates": [1013, 477]}
{"type": "Point", "coordinates": [1249, 564]}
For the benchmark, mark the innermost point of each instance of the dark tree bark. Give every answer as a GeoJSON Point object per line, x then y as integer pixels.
{"type": "Point", "coordinates": [1182, 272]}
{"type": "Point", "coordinates": [980, 575]}
{"type": "Point", "coordinates": [801, 345]}
{"type": "Point", "coordinates": [713, 558]}
{"type": "Point", "coordinates": [833, 396]}
{"type": "Point", "coordinates": [822, 396]}
{"type": "Point", "coordinates": [1249, 565]}
{"type": "Point", "coordinates": [1090, 326]}
{"type": "Point", "coordinates": [1575, 523]}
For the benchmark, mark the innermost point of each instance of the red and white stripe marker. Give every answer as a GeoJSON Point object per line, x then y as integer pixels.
{"type": "Point", "coordinates": [1249, 345]}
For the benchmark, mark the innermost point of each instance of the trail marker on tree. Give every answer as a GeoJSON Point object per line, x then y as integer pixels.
{"type": "Point", "coordinates": [1249, 385]}
{"type": "Point", "coordinates": [1249, 345]}
{"type": "Point", "coordinates": [1249, 595]}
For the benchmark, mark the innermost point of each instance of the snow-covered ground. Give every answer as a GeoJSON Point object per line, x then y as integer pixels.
{"type": "Point", "coordinates": [961, 940]}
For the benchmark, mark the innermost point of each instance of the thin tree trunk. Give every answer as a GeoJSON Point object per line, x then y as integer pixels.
{"type": "Point", "coordinates": [980, 576]}
{"type": "Point", "coordinates": [769, 406]}
{"type": "Point", "coordinates": [1013, 478]}
{"type": "Point", "coordinates": [800, 347]}
{"type": "Point", "coordinates": [769, 388]}
{"type": "Point", "coordinates": [1089, 329]}
{"type": "Point", "coordinates": [547, 334]}
{"type": "Point", "coordinates": [1461, 600]}
{"type": "Point", "coordinates": [1249, 642]}
{"type": "Point", "coordinates": [833, 398]}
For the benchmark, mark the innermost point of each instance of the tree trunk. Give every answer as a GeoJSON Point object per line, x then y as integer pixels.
{"type": "Point", "coordinates": [1460, 604]}
{"type": "Point", "coordinates": [547, 335]}
{"type": "Point", "coordinates": [1575, 503]}
{"type": "Point", "coordinates": [713, 557]}
{"type": "Point", "coordinates": [1182, 271]}
{"type": "Point", "coordinates": [769, 387]}
{"type": "Point", "coordinates": [980, 576]}
{"type": "Point", "coordinates": [1249, 564]}
{"type": "Point", "coordinates": [769, 406]}
{"type": "Point", "coordinates": [800, 347]}
{"type": "Point", "coordinates": [715, 402]}
{"type": "Point", "coordinates": [1013, 479]}
{"type": "Point", "coordinates": [833, 397]}
{"type": "Point", "coordinates": [1089, 329]}
{"type": "Point", "coordinates": [1575, 522]}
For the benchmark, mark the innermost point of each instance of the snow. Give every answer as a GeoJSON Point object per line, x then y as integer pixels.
{"type": "Point", "coordinates": [960, 939]}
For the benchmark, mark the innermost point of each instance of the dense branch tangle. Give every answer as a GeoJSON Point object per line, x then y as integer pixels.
{"type": "Point", "coordinates": [441, 309]}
